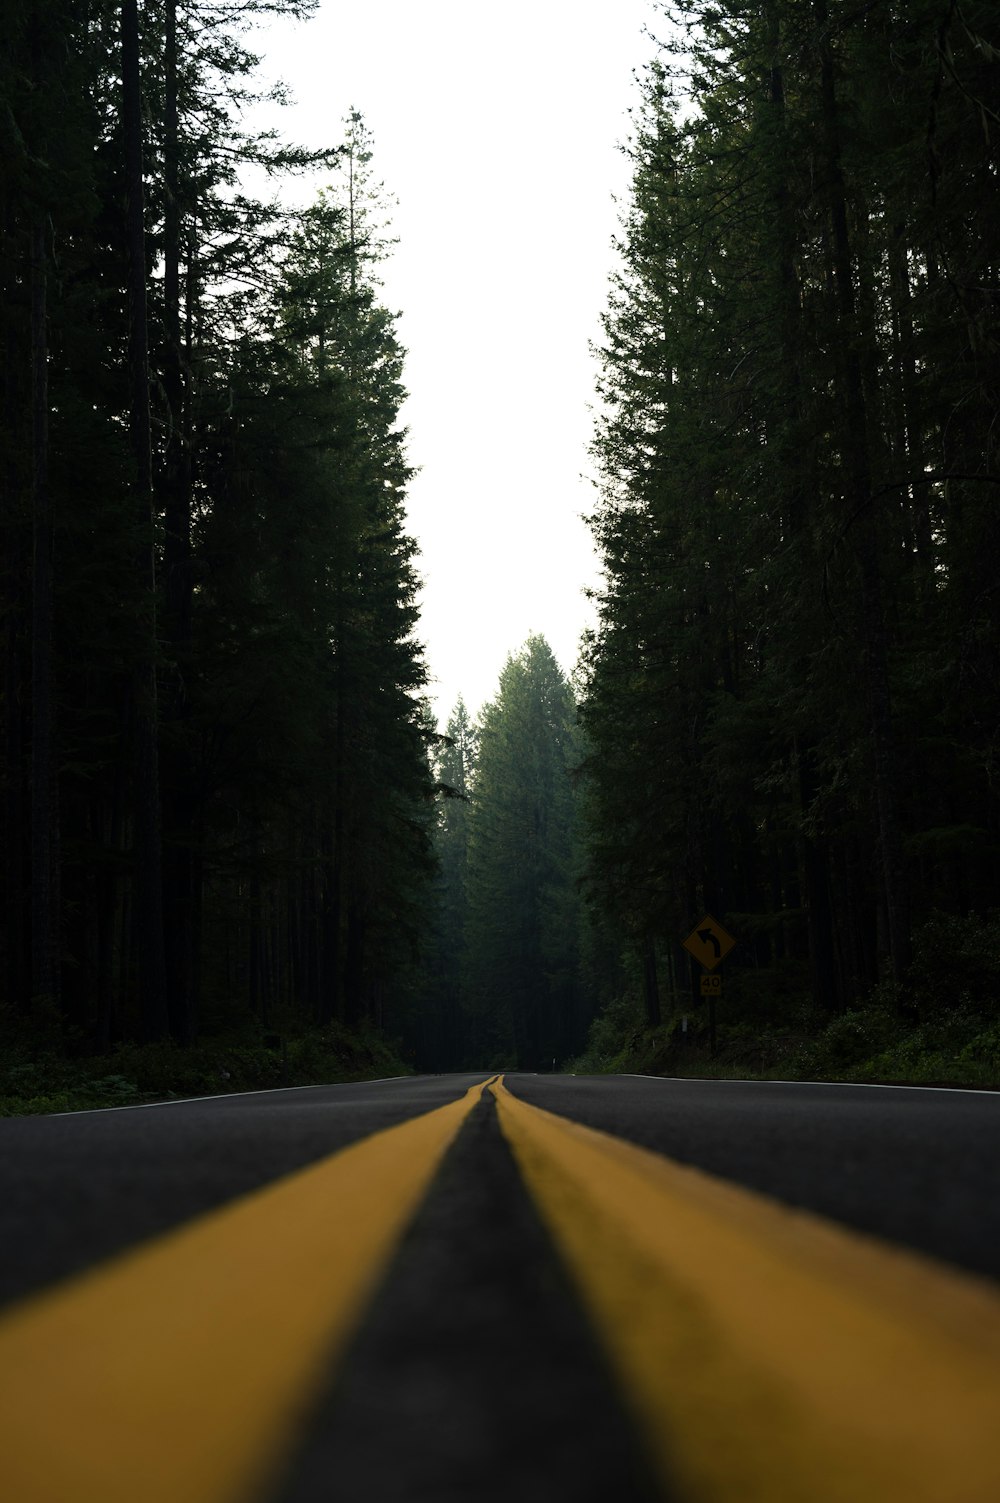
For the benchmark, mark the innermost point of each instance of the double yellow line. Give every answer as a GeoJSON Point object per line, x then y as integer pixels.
{"type": "Point", "coordinates": [768, 1356]}
{"type": "Point", "coordinates": [182, 1372]}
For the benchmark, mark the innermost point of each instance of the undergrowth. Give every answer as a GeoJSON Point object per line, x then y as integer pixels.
{"type": "Point", "coordinates": [36, 1076]}
{"type": "Point", "coordinates": [944, 1031]}
{"type": "Point", "coordinates": [865, 1045]}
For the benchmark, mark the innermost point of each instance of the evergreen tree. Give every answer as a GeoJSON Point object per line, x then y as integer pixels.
{"type": "Point", "coordinates": [312, 447]}
{"type": "Point", "coordinates": [522, 942]}
{"type": "Point", "coordinates": [436, 1031]}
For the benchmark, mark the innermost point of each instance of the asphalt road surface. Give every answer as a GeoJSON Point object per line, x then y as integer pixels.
{"type": "Point", "coordinates": [431, 1289]}
{"type": "Point", "coordinates": [920, 1167]}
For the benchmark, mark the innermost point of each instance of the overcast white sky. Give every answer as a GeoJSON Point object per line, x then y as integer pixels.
{"type": "Point", "coordinates": [497, 130]}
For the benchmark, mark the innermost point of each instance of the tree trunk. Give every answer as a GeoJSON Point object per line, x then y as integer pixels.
{"type": "Point", "coordinates": [355, 1001]}
{"type": "Point", "coordinates": [178, 772]}
{"type": "Point", "coordinates": [862, 524]}
{"type": "Point", "coordinates": [15, 836]}
{"type": "Point", "coordinates": [147, 907]}
{"type": "Point", "coordinates": [815, 856]}
{"type": "Point", "coordinates": [650, 985]}
{"type": "Point", "coordinates": [106, 908]}
{"type": "Point", "coordinates": [333, 997]}
{"type": "Point", "coordinates": [815, 859]}
{"type": "Point", "coordinates": [44, 829]}
{"type": "Point", "coordinates": [329, 968]}
{"type": "Point", "coordinates": [912, 446]}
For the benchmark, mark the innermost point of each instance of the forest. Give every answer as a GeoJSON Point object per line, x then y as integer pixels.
{"type": "Point", "coordinates": [237, 850]}
{"type": "Point", "coordinates": [791, 700]}
{"type": "Point", "coordinates": [217, 799]}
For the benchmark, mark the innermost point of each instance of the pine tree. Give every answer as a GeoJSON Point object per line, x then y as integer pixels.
{"type": "Point", "coordinates": [313, 461]}
{"type": "Point", "coordinates": [522, 941]}
{"type": "Point", "coordinates": [440, 1030]}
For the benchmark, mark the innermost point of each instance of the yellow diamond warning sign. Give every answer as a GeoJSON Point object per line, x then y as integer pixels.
{"type": "Point", "coordinates": [709, 943]}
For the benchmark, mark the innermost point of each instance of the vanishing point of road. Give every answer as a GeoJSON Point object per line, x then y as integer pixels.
{"type": "Point", "coordinates": [551, 1289]}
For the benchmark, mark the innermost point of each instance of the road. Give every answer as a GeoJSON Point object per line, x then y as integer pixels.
{"type": "Point", "coordinates": [549, 1288]}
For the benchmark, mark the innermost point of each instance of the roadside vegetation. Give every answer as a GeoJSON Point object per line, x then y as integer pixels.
{"type": "Point", "coordinates": [37, 1074]}
{"type": "Point", "coordinates": [867, 1044]}
{"type": "Point", "coordinates": [947, 1033]}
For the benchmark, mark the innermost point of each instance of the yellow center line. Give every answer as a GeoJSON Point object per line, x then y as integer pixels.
{"type": "Point", "coordinates": [183, 1370]}
{"type": "Point", "coordinates": [771, 1356]}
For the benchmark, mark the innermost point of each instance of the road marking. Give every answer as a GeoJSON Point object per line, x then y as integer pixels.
{"type": "Point", "coordinates": [865, 1085]}
{"type": "Point", "coordinates": [770, 1355]}
{"type": "Point", "coordinates": [182, 1371]}
{"type": "Point", "coordinates": [145, 1106]}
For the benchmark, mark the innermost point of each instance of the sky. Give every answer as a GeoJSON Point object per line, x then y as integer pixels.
{"type": "Point", "coordinates": [497, 130]}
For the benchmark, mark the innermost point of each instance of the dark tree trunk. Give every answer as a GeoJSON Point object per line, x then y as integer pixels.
{"type": "Point", "coordinates": [334, 998]}
{"type": "Point", "coordinates": [912, 445]}
{"type": "Point", "coordinates": [15, 838]}
{"type": "Point", "coordinates": [329, 977]}
{"type": "Point", "coordinates": [147, 907]}
{"type": "Point", "coordinates": [255, 944]}
{"type": "Point", "coordinates": [815, 856]}
{"type": "Point", "coordinates": [354, 960]}
{"type": "Point", "coordinates": [864, 532]}
{"type": "Point", "coordinates": [178, 771]}
{"type": "Point", "coordinates": [816, 875]}
{"type": "Point", "coordinates": [44, 824]}
{"type": "Point", "coordinates": [650, 985]}
{"type": "Point", "coordinates": [106, 908]}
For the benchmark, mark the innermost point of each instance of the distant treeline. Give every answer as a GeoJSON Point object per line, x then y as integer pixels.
{"type": "Point", "coordinates": [213, 751]}
{"type": "Point", "coordinates": [506, 978]}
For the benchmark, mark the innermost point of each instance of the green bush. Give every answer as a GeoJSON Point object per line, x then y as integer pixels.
{"type": "Point", "coordinates": [956, 964]}
{"type": "Point", "coordinates": [614, 1037]}
{"type": "Point", "coordinates": [850, 1038]}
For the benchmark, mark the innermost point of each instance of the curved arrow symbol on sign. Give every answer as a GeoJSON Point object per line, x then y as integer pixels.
{"type": "Point", "coordinates": [708, 937]}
